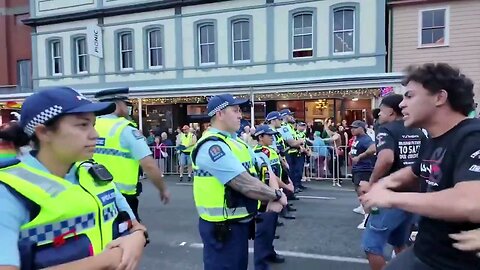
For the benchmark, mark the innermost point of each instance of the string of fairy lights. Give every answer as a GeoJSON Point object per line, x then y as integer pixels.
{"type": "Point", "coordinates": [322, 94]}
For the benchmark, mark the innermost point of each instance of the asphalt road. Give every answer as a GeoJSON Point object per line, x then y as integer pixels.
{"type": "Point", "coordinates": [324, 235]}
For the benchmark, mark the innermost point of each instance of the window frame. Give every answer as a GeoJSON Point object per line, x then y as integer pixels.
{"type": "Point", "coordinates": [293, 35]}
{"type": "Point", "coordinates": [354, 30]}
{"type": "Point", "coordinates": [446, 27]}
{"type": "Point", "coordinates": [120, 50]}
{"type": "Point", "coordinates": [241, 41]}
{"type": "Point", "coordinates": [77, 55]}
{"type": "Point", "coordinates": [199, 44]}
{"type": "Point", "coordinates": [147, 31]}
{"type": "Point", "coordinates": [52, 57]}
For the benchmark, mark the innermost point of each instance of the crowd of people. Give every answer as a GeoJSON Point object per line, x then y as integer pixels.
{"type": "Point", "coordinates": [76, 207]}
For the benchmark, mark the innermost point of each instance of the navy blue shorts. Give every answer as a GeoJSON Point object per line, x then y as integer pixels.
{"type": "Point", "coordinates": [390, 226]}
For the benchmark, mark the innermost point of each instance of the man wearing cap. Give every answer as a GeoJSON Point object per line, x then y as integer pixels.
{"type": "Point", "coordinates": [397, 147]}
{"type": "Point", "coordinates": [122, 148]}
{"type": "Point", "coordinates": [363, 160]}
{"type": "Point", "coordinates": [187, 141]}
{"type": "Point", "coordinates": [295, 146]}
{"type": "Point", "coordinates": [267, 220]}
{"type": "Point", "coordinates": [226, 188]}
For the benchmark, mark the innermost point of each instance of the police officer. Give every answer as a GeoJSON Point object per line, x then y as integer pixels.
{"type": "Point", "coordinates": [187, 141]}
{"type": "Point", "coordinates": [295, 146]}
{"type": "Point", "coordinates": [56, 210]}
{"type": "Point", "coordinates": [226, 189]}
{"type": "Point", "coordinates": [122, 148]}
{"type": "Point", "coordinates": [267, 221]}
{"type": "Point", "coordinates": [274, 120]}
{"type": "Point", "coordinates": [397, 147]}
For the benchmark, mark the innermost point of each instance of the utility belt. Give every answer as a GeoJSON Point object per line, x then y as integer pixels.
{"type": "Point", "coordinates": [223, 230]}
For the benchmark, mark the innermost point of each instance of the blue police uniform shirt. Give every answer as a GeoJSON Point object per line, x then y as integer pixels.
{"type": "Point", "coordinates": [361, 145]}
{"type": "Point", "coordinates": [14, 214]}
{"type": "Point", "coordinates": [216, 158]}
{"type": "Point", "coordinates": [285, 132]}
{"type": "Point", "coordinates": [133, 140]}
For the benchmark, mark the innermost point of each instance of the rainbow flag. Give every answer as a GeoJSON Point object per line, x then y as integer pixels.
{"type": "Point", "coordinates": [7, 150]}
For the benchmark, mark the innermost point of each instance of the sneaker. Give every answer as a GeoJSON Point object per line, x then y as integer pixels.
{"type": "Point", "coordinates": [359, 210]}
{"type": "Point", "coordinates": [189, 179]}
{"type": "Point", "coordinates": [361, 226]}
{"type": "Point", "coordinates": [338, 184]}
{"type": "Point", "coordinates": [333, 184]}
{"type": "Point", "coordinates": [181, 178]}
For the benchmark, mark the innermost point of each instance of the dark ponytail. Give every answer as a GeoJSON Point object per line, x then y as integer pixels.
{"type": "Point", "coordinates": [12, 132]}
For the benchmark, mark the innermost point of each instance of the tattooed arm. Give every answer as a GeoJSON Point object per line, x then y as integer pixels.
{"type": "Point", "coordinates": [252, 187]}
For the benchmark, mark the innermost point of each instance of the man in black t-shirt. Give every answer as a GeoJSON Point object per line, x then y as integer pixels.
{"type": "Point", "coordinates": [437, 98]}
{"type": "Point", "coordinates": [397, 147]}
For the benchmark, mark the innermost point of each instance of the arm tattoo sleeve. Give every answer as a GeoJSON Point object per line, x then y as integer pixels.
{"type": "Point", "coordinates": [252, 187]}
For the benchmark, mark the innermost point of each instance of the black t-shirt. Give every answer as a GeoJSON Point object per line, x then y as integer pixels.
{"type": "Point", "coordinates": [404, 142]}
{"type": "Point", "coordinates": [442, 165]}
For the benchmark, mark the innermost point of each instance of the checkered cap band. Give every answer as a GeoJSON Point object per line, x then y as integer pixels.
{"type": "Point", "coordinates": [218, 108]}
{"type": "Point", "coordinates": [42, 118]}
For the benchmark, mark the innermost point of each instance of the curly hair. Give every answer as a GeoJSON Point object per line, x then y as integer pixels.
{"type": "Point", "coordinates": [441, 76]}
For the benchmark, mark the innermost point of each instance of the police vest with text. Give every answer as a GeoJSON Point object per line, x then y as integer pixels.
{"type": "Point", "coordinates": [84, 218]}
{"type": "Point", "coordinates": [214, 201]}
{"type": "Point", "coordinates": [117, 159]}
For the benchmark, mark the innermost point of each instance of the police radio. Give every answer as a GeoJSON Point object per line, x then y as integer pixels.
{"type": "Point", "coordinates": [99, 173]}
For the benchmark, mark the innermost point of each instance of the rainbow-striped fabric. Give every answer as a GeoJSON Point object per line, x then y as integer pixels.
{"type": "Point", "coordinates": [7, 150]}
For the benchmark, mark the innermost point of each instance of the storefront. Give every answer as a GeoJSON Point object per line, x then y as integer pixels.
{"type": "Point", "coordinates": [160, 114]}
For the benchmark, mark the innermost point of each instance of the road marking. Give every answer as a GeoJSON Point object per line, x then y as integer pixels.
{"type": "Point", "coordinates": [315, 197]}
{"type": "Point", "coordinates": [184, 184]}
{"type": "Point", "coordinates": [305, 255]}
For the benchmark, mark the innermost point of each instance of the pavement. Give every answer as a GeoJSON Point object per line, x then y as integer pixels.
{"type": "Point", "coordinates": [324, 235]}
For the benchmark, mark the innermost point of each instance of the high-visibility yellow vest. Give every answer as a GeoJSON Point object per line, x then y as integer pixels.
{"type": "Point", "coordinates": [186, 140]}
{"type": "Point", "coordinates": [209, 192]}
{"type": "Point", "coordinates": [292, 150]}
{"type": "Point", "coordinates": [66, 209]}
{"type": "Point", "coordinates": [273, 157]}
{"type": "Point", "coordinates": [110, 153]}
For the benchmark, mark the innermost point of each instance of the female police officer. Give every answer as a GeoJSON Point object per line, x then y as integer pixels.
{"type": "Point", "coordinates": [57, 213]}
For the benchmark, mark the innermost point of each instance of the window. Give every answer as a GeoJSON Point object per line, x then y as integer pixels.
{"type": "Point", "coordinates": [433, 31]}
{"type": "Point", "coordinates": [81, 55]}
{"type": "Point", "coordinates": [206, 44]}
{"type": "Point", "coordinates": [24, 74]}
{"type": "Point", "coordinates": [241, 40]}
{"type": "Point", "coordinates": [343, 30]}
{"type": "Point", "coordinates": [302, 35]}
{"type": "Point", "coordinates": [126, 51]}
{"type": "Point", "coordinates": [56, 57]}
{"type": "Point", "coordinates": [155, 48]}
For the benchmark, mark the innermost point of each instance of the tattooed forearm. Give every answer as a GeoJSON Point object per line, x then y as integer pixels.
{"type": "Point", "coordinates": [252, 187]}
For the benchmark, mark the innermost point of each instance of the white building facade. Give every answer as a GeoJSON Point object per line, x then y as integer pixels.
{"type": "Point", "coordinates": [175, 48]}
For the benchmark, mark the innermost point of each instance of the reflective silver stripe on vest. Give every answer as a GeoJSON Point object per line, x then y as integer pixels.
{"type": "Point", "coordinates": [115, 128]}
{"type": "Point", "coordinates": [222, 212]}
{"type": "Point", "coordinates": [125, 187]}
{"type": "Point", "coordinates": [49, 232]}
{"type": "Point", "coordinates": [48, 185]}
{"type": "Point", "coordinates": [112, 152]}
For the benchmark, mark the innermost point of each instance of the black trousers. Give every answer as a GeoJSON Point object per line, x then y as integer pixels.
{"type": "Point", "coordinates": [132, 200]}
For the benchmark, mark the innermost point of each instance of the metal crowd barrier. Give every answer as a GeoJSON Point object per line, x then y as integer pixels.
{"type": "Point", "coordinates": [324, 163]}
{"type": "Point", "coordinates": [169, 164]}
